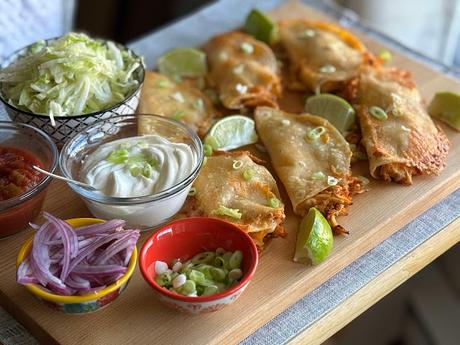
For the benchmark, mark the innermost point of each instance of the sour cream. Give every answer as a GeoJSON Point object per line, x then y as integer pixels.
{"type": "Point", "coordinates": [138, 166]}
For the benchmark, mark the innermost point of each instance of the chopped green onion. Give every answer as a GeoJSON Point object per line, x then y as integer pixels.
{"type": "Point", "coordinates": [163, 279]}
{"type": "Point", "coordinates": [237, 164]}
{"type": "Point", "coordinates": [378, 113]}
{"type": "Point", "coordinates": [315, 133]}
{"type": "Point", "coordinates": [241, 88]}
{"type": "Point", "coordinates": [332, 181]}
{"type": "Point", "coordinates": [385, 55]}
{"type": "Point", "coordinates": [247, 48]}
{"type": "Point", "coordinates": [205, 160]}
{"type": "Point", "coordinates": [235, 274]}
{"type": "Point", "coordinates": [188, 288]}
{"type": "Point", "coordinates": [119, 156]}
{"type": "Point", "coordinates": [238, 69]}
{"type": "Point", "coordinates": [248, 174]}
{"type": "Point", "coordinates": [218, 274]}
{"type": "Point", "coordinates": [207, 150]}
{"type": "Point", "coordinates": [178, 97]}
{"type": "Point", "coordinates": [147, 170]}
{"type": "Point", "coordinates": [327, 69]}
{"type": "Point", "coordinates": [274, 202]}
{"type": "Point", "coordinates": [163, 84]}
{"type": "Point", "coordinates": [229, 212]}
{"type": "Point", "coordinates": [308, 33]}
{"type": "Point", "coordinates": [319, 175]}
{"type": "Point", "coordinates": [178, 115]}
{"type": "Point", "coordinates": [199, 104]}
{"type": "Point", "coordinates": [235, 259]}
{"type": "Point", "coordinates": [135, 171]}
{"type": "Point", "coordinates": [192, 191]}
{"type": "Point", "coordinates": [210, 290]}
{"type": "Point", "coordinates": [203, 258]}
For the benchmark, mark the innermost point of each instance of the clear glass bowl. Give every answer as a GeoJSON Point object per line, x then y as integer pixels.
{"type": "Point", "coordinates": [17, 212]}
{"type": "Point", "coordinates": [143, 212]}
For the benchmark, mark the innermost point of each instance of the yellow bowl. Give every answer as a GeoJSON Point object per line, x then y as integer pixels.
{"type": "Point", "coordinates": [84, 303]}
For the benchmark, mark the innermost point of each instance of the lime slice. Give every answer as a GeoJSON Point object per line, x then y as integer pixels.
{"type": "Point", "coordinates": [314, 238]}
{"type": "Point", "coordinates": [445, 106]}
{"type": "Point", "coordinates": [334, 109]}
{"type": "Point", "coordinates": [232, 132]}
{"type": "Point", "coordinates": [182, 62]}
{"type": "Point", "coordinates": [261, 27]}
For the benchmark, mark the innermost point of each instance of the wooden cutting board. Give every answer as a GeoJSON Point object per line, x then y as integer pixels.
{"type": "Point", "coordinates": [138, 318]}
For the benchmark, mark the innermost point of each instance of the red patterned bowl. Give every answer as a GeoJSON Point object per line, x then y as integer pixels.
{"type": "Point", "coordinates": [183, 239]}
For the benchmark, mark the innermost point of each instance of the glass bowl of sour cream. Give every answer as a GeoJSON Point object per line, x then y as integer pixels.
{"type": "Point", "coordinates": [142, 167]}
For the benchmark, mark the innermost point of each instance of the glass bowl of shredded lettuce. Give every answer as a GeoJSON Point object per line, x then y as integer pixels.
{"type": "Point", "coordinates": [62, 85]}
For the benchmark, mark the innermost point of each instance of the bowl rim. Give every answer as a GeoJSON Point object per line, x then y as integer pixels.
{"type": "Point", "coordinates": [126, 201]}
{"type": "Point", "coordinates": [199, 299]}
{"type": "Point", "coordinates": [95, 113]}
{"type": "Point", "coordinates": [37, 291]}
{"type": "Point", "coordinates": [12, 202]}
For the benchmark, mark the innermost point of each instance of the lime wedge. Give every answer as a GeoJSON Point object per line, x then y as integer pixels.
{"type": "Point", "coordinates": [445, 106]}
{"type": "Point", "coordinates": [232, 132]}
{"type": "Point", "coordinates": [314, 238]}
{"type": "Point", "coordinates": [182, 62]}
{"type": "Point", "coordinates": [261, 27]}
{"type": "Point", "coordinates": [334, 109]}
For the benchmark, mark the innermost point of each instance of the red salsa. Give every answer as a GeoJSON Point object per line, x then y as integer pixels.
{"type": "Point", "coordinates": [16, 173]}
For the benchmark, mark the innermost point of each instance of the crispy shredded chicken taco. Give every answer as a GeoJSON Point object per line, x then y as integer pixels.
{"type": "Point", "coordinates": [321, 56]}
{"type": "Point", "coordinates": [180, 101]}
{"type": "Point", "coordinates": [400, 138]}
{"type": "Point", "coordinates": [232, 186]}
{"type": "Point", "coordinates": [243, 70]}
{"type": "Point", "coordinates": [312, 160]}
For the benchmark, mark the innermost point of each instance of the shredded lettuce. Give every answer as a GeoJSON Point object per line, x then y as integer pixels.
{"type": "Point", "coordinates": [73, 75]}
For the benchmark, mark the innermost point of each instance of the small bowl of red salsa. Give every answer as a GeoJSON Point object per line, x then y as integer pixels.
{"type": "Point", "coordinates": [22, 188]}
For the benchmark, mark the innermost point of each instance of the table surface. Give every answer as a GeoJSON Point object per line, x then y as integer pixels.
{"type": "Point", "coordinates": [331, 306]}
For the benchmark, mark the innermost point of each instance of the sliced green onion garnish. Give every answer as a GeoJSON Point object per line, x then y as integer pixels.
{"type": "Point", "coordinates": [163, 84]}
{"type": "Point", "coordinates": [238, 69]}
{"type": "Point", "coordinates": [178, 115]}
{"type": "Point", "coordinates": [119, 156]}
{"type": "Point", "coordinates": [192, 191]}
{"type": "Point", "coordinates": [248, 174]}
{"type": "Point", "coordinates": [308, 33]}
{"type": "Point", "coordinates": [135, 171]}
{"type": "Point", "coordinates": [327, 69]}
{"type": "Point", "coordinates": [315, 133]}
{"type": "Point", "coordinates": [199, 104]}
{"type": "Point", "coordinates": [229, 212]}
{"type": "Point", "coordinates": [247, 48]}
{"type": "Point", "coordinates": [319, 175]}
{"type": "Point", "coordinates": [274, 202]}
{"type": "Point", "coordinates": [237, 164]}
{"type": "Point", "coordinates": [378, 113]}
{"type": "Point", "coordinates": [178, 97]}
{"type": "Point", "coordinates": [385, 55]}
{"type": "Point", "coordinates": [207, 150]}
{"type": "Point", "coordinates": [147, 170]}
{"type": "Point", "coordinates": [332, 181]}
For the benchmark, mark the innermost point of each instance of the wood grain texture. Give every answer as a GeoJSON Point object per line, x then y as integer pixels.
{"type": "Point", "coordinates": [138, 318]}
{"type": "Point", "coordinates": [378, 288]}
